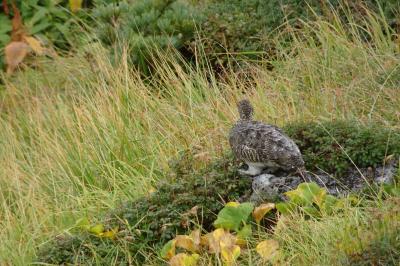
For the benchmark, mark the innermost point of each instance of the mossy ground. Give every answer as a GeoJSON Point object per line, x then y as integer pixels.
{"type": "Point", "coordinates": [189, 199]}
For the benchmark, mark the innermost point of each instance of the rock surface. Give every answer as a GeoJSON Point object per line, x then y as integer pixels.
{"type": "Point", "coordinates": [269, 187]}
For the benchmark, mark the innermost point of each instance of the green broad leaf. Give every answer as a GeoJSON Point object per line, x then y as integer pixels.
{"type": "Point", "coordinates": [168, 250]}
{"type": "Point", "coordinates": [83, 223]}
{"type": "Point", "coordinates": [285, 207]}
{"type": "Point", "coordinates": [311, 211]}
{"type": "Point", "coordinates": [305, 194]}
{"type": "Point", "coordinates": [5, 24]}
{"type": "Point", "coordinates": [329, 204]}
{"type": "Point", "coordinates": [40, 15]}
{"type": "Point", "coordinates": [232, 216]}
{"type": "Point", "coordinates": [245, 232]}
{"type": "Point", "coordinates": [97, 229]}
{"type": "Point", "coordinates": [39, 27]}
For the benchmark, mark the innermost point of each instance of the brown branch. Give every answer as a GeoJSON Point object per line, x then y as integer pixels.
{"type": "Point", "coordinates": [17, 32]}
{"type": "Point", "coordinates": [5, 8]}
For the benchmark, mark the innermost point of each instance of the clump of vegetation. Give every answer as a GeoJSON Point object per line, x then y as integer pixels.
{"type": "Point", "coordinates": [190, 199]}
{"type": "Point", "coordinates": [381, 250]}
{"type": "Point", "coordinates": [357, 236]}
{"type": "Point", "coordinates": [146, 27]}
{"type": "Point", "coordinates": [335, 146]}
{"type": "Point", "coordinates": [50, 21]}
{"type": "Point", "coordinates": [246, 29]}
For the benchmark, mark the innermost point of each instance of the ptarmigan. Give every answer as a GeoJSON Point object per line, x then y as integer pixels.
{"type": "Point", "coordinates": [262, 146]}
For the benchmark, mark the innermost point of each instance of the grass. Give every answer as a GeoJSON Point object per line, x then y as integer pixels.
{"type": "Point", "coordinates": [80, 134]}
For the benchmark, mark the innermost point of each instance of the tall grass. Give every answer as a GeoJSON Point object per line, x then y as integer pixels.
{"type": "Point", "coordinates": [79, 134]}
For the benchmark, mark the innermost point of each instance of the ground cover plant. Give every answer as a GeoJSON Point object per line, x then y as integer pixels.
{"type": "Point", "coordinates": [80, 135]}
{"type": "Point", "coordinates": [191, 199]}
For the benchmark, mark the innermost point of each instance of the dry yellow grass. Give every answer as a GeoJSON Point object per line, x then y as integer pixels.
{"type": "Point", "coordinates": [77, 136]}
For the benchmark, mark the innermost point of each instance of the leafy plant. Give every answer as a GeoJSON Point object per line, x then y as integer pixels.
{"type": "Point", "coordinates": [233, 215]}
{"type": "Point", "coordinates": [192, 199]}
{"type": "Point", "coordinates": [221, 241]}
{"type": "Point", "coordinates": [312, 199]}
{"type": "Point", "coordinates": [246, 29]}
{"type": "Point", "coordinates": [335, 146]}
{"type": "Point", "coordinates": [49, 21]}
{"type": "Point", "coordinates": [146, 27]}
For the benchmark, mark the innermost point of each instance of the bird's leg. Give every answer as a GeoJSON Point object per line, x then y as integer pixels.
{"type": "Point", "coordinates": [253, 169]}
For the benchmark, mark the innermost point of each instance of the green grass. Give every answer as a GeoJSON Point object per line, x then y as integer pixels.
{"type": "Point", "coordinates": [79, 135]}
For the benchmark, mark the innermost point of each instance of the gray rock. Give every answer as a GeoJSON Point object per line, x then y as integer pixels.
{"type": "Point", "coordinates": [268, 187]}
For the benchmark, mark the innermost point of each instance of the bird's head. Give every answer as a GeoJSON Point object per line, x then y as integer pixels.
{"type": "Point", "coordinates": [245, 110]}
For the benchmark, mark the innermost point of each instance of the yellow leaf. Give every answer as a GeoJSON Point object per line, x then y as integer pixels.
{"type": "Point", "coordinates": [75, 5]}
{"type": "Point", "coordinates": [196, 236]}
{"type": "Point", "coordinates": [15, 52]}
{"type": "Point", "coordinates": [260, 211]}
{"type": "Point", "coordinates": [168, 251]}
{"type": "Point", "coordinates": [34, 44]}
{"type": "Point", "coordinates": [217, 234]}
{"type": "Point", "coordinates": [241, 242]}
{"type": "Point", "coordinates": [213, 240]}
{"type": "Point", "coordinates": [205, 239]}
{"type": "Point", "coordinates": [229, 253]}
{"type": "Point", "coordinates": [267, 249]}
{"type": "Point", "coordinates": [186, 242]}
{"type": "Point", "coordinates": [183, 259]}
{"type": "Point", "coordinates": [229, 250]}
{"type": "Point", "coordinates": [110, 233]}
{"type": "Point", "coordinates": [232, 204]}
{"type": "Point", "coordinates": [319, 198]}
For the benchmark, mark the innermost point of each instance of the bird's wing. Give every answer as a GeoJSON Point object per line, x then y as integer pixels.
{"type": "Point", "coordinates": [270, 143]}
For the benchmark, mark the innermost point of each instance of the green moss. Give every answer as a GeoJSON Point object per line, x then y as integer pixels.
{"type": "Point", "coordinates": [330, 145]}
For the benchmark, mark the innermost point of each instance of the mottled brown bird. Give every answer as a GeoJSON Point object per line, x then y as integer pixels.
{"type": "Point", "coordinates": [262, 146]}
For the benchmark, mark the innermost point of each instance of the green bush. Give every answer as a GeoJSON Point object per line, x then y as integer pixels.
{"type": "Point", "coordinates": [150, 222]}
{"type": "Point", "coordinates": [247, 28]}
{"type": "Point", "coordinates": [146, 26]}
{"type": "Point", "coordinates": [331, 145]}
{"type": "Point", "coordinates": [238, 26]}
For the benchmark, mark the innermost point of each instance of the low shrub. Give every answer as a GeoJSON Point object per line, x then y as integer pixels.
{"type": "Point", "coordinates": [246, 29]}
{"type": "Point", "coordinates": [334, 146]}
{"type": "Point", "coordinates": [191, 198]}
{"type": "Point", "coordinates": [146, 26]}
